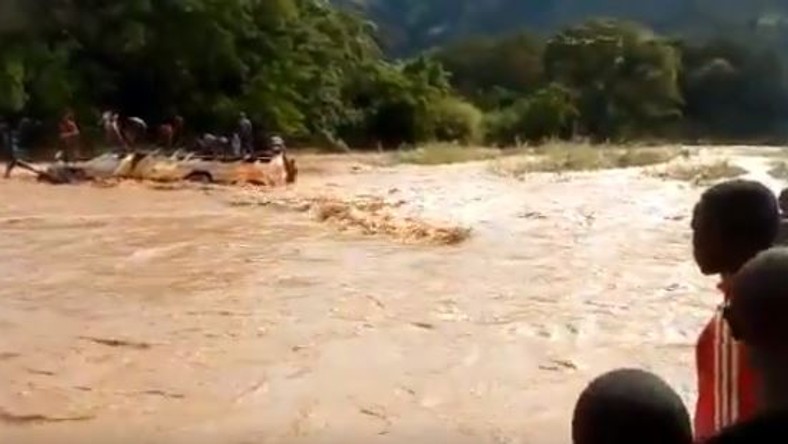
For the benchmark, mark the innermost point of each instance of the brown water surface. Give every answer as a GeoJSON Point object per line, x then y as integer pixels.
{"type": "Point", "coordinates": [136, 315]}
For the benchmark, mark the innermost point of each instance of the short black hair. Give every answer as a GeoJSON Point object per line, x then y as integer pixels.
{"type": "Point", "coordinates": [756, 430]}
{"type": "Point", "coordinates": [744, 210]}
{"type": "Point", "coordinates": [626, 406]}
{"type": "Point", "coordinates": [758, 314]}
{"type": "Point", "coordinates": [783, 200]}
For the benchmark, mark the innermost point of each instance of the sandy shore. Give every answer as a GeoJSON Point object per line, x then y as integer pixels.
{"type": "Point", "coordinates": [138, 315]}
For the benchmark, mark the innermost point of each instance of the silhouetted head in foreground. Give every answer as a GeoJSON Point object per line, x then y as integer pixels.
{"type": "Point", "coordinates": [783, 199]}
{"type": "Point", "coordinates": [758, 316]}
{"type": "Point", "coordinates": [630, 406]}
{"type": "Point", "coordinates": [732, 223]}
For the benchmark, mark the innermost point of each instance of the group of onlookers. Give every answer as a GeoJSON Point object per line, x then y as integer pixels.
{"type": "Point", "coordinates": [241, 143]}
{"type": "Point", "coordinates": [124, 133]}
{"type": "Point", "coordinates": [18, 135]}
{"type": "Point", "coordinates": [741, 355]}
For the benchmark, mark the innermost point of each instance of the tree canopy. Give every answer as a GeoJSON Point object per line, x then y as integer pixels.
{"type": "Point", "coordinates": [315, 72]}
{"type": "Point", "coordinates": [410, 26]}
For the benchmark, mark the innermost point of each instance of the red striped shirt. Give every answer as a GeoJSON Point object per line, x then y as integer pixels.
{"type": "Point", "coordinates": [725, 382]}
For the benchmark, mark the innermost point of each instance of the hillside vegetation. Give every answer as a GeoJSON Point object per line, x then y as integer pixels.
{"type": "Point", "coordinates": [315, 72]}
{"type": "Point", "coordinates": [408, 26]}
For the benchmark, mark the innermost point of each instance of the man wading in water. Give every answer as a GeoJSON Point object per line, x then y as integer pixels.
{"type": "Point", "coordinates": [9, 146]}
{"type": "Point", "coordinates": [732, 223]}
{"type": "Point", "coordinates": [16, 141]}
{"type": "Point", "coordinates": [69, 136]}
{"type": "Point", "coordinates": [246, 134]}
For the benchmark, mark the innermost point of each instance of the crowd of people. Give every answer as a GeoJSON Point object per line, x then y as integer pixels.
{"type": "Point", "coordinates": [741, 355]}
{"type": "Point", "coordinates": [126, 133]}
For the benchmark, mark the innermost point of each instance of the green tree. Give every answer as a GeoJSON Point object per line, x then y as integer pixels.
{"type": "Point", "coordinates": [455, 120]}
{"type": "Point", "coordinates": [548, 113]}
{"type": "Point", "coordinates": [625, 78]}
{"type": "Point", "coordinates": [733, 90]}
{"type": "Point", "coordinates": [285, 62]}
{"type": "Point", "coordinates": [13, 95]}
{"type": "Point", "coordinates": [495, 71]}
{"type": "Point", "coordinates": [392, 104]}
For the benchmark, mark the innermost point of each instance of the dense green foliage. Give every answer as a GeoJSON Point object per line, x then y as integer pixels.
{"type": "Point", "coordinates": [624, 78]}
{"type": "Point", "coordinates": [300, 67]}
{"type": "Point", "coordinates": [549, 112]}
{"type": "Point", "coordinates": [314, 72]}
{"type": "Point", "coordinates": [615, 80]}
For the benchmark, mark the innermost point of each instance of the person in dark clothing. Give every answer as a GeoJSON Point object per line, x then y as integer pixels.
{"type": "Point", "coordinates": [178, 126]}
{"type": "Point", "coordinates": [630, 406]}
{"type": "Point", "coordinates": [6, 142]}
{"type": "Point", "coordinates": [27, 132]}
{"type": "Point", "coordinates": [758, 317]}
{"type": "Point", "coordinates": [782, 236]}
{"type": "Point", "coordinates": [246, 134]}
{"type": "Point", "coordinates": [766, 429]}
{"type": "Point", "coordinates": [4, 133]}
{"type": "Point", "coordinates": [17, 141]}
{"type": "Point", "coordinates": [783, 200]}
{"type": "Point", "coordinates": [170, 132]}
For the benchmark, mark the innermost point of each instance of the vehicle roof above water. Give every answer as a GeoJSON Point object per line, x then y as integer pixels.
{"type": "Point", "coordinates": [115, 158]}
{"type": "Point", "coordinates": [103, 159]}
{"type": "Point", "coordinates": [107, 156]}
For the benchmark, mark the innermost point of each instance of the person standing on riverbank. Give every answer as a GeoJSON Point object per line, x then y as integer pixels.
{"type": "Point", "coordinates": [732, 223]}
{"type": "Point", "coordinates": [758, 317]}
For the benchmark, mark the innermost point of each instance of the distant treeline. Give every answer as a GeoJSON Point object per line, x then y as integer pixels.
{"type": "Point", "coordinates": [609, 79]}
{"type": "Point", "coordinates": [410, 26]}
{"type": "Point", "coordinates": [314, 73]}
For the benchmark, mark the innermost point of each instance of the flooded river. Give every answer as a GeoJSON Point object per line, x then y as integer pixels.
{"type": "Point", "coordinates": [130, 314]}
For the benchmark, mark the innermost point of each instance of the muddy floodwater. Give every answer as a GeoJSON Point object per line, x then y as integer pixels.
{"type": "Point", "coordinates": [132, 314]}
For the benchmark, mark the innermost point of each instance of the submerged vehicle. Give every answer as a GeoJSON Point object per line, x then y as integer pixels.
{"type": "Point", "coordinates": [278, 171]}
